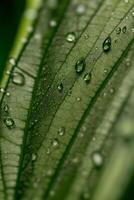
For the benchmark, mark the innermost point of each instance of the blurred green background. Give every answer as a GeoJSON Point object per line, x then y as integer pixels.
{"type": "Point", "coordinates": [10, 15]}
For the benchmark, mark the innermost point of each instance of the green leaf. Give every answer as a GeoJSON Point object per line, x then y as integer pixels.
{"type": "Point", "coordinates": [66, 103]}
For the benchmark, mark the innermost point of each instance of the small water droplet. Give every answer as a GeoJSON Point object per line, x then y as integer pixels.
{"type": "Point", "coordinates": [97, 159]}
{"type": "Point", "coordinates": [80, 66]}
{"type": "Point", "coordinates": [78, 99]}
{"type": "Point", "coordinates": [60, 87]}
{"type": "Point", "coordinates": [18, 78]}
{"type": "Point", "coordinates": [9, 122]}
{"type": "Point", "coordinates": [34, 157]}
{"type": "Point", "coordinates": [127, 62]}
{"type": "Point", "coordinates": [105, 71]}
{"type": "Point", "coordinates": [71, 37]}
{"type": "Point", "coordinates": [124, 29]}
{"type": "Point", "coordinates": [8, 94]}
{"type": "Point", "coordinates": [12, 61]}
{"type": "Point", "coordinates": [118, 30]}
{"type": "Point", "coordinates": [55, 143]}
{"type": "Point", "coordinates": [61, 131]}
{"type": "Point", "coordinates": [112, 90]}
{"type": "Point", "coordinates": [86, 36]}
{"type": "Point", "coordinates": [87, 77]}
{"type": "Point", "coordinates": [52, 23]}
{"type": "Point", "coordinates": [37, 36]}
{"type": "Point", "coordinates": [132, 13]}
{"type": "Point", "coordinates": [6, 108]}
{"type": "Point", "coordinates": [80, 9]}
{"type": "Point", "coordinates": [2, 90]}
{"type": "Point", "coordinates": [107, 44]}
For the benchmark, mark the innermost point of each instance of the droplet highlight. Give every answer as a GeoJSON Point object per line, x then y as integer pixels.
{"type": "Point", "coordinates": [80, 66]}
{"type": "Point", "coordinates": [107, 44]}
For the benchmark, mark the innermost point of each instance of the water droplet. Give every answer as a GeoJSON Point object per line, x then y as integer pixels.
{"type": "Point", "coordinates": [52, 23]}
{"type": "Point", "coordinates": [111, 90]}
{"type": "Point", "coordinates": [86, 36]}
{"type": "Point", "coordinates": [31, 13]}
{"type": "Point", "coordinates": [60, 87]}
{"type": "Point", "coordinates": [8, 94]}
{"type": "Point", "coordinates": [132, 13]}
{"type": "Point", "coordinates": [9, 122]}
{"type": "Point", "coordinates": [2, 90]}
{"type": "Point", "coordinates": [78, 99]}
{"type": "Point", "coordinates": [30, 29]}
{"type": "Point", "coordinates": [97, 159]}
{"type": "Point", "coordinates": [61, 131]}
{"type": "Point", "coordinates": [37, 36]}
{"type": "Point", "coordinates": [105, 71]}
{"type": "Point", "coordinates": [18, 78]}
{"type": "Point", "coordinates": [118, 30]}
{"type": "Point", "coordinates": [80, 66]}
{"type": "Point", "coordinates": [80, 9]}
{"type": "Point", "coordinates": [24, 40]}
{"type": "Point", "coordinates": [128, 63]}
{"type": "Point", "coordinates": [55, 143]}
{"type": "Point", "coordinates": [87, 77]}
{"type": "Point", "coordinates": [107, 44]}
{"type": "Point", "coordinates": [124, 29]}
{"type": "Point", "coordinates": [12, 61]}
{"type": "Point", "coordinates": [34, 157]}
{"type": "Point", "coordinates": [71, 37]}
{"type": "Point", "coordinates": [48, 151]}
{"type": "Point", "coordinates": [6, 108]}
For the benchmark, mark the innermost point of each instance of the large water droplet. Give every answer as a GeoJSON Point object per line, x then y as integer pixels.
{"type": "Point", "coordinates": [9, 122]}
{"type": "Point", "coordinates": [97, 159]}
{"type": "Point", "coordinates": [87, 77]}
{"type": "Point", "coordinates": [80, 66]}
{"type": "Point", "coordinates": [18, 78]}
{"type": "Point", "coordinates": [71, 37]}
{"type": "Point", "coordinates": [107, 44]}
{"type": "Point", "coordinates": [61, 131]}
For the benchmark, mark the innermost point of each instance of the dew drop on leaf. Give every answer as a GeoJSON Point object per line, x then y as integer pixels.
{"type": "Point", "coordinates": [9, 122]}
{"type": "Point", "coordinates": [52, 23]}
{"type": "Point", "coordinates": [6, 108]}
{"type": "Point", "coordinates": [124, 29]}
{"type": "Point", "coordinates": [60, 87]}
{"type": "Point", "coordinates": [2, 90]}
{"type": "Point", "coordinates": [87, 77]}
{"type": "Point", "coordinates": [34, 157]}
{"type": "Point", "coordinates": [97, 159]}
{"type": "Point", "coordinates": [8, 94]}
{"type": "Point", "coordinates": [132, 13]}
{"type": "Point", "coordinates": [71, 37]}
{"type": "Point", "coordinates": [80, 9]}
{"type": "Point", "coordinates": [12, 61]}
{"type": "Point", "coordinates": [61, 131]}
{"type": "Point", "coordinates": [118, 30]}
{"type": "Point", "coordinates": [107, 44]}
{"type": "Point", "coordinates": [80, 66]}
{"type": "Point", "coordinates": [55, 143]}
{"type": "Point", "coordinates": [18, 78]}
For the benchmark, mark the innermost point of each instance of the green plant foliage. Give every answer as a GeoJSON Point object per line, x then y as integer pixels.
{"type": "Point", "coordinates": [67, 98]}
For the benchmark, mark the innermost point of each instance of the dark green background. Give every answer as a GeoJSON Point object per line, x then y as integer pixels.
{"type": "Point", "coordinates": [10, 14]}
